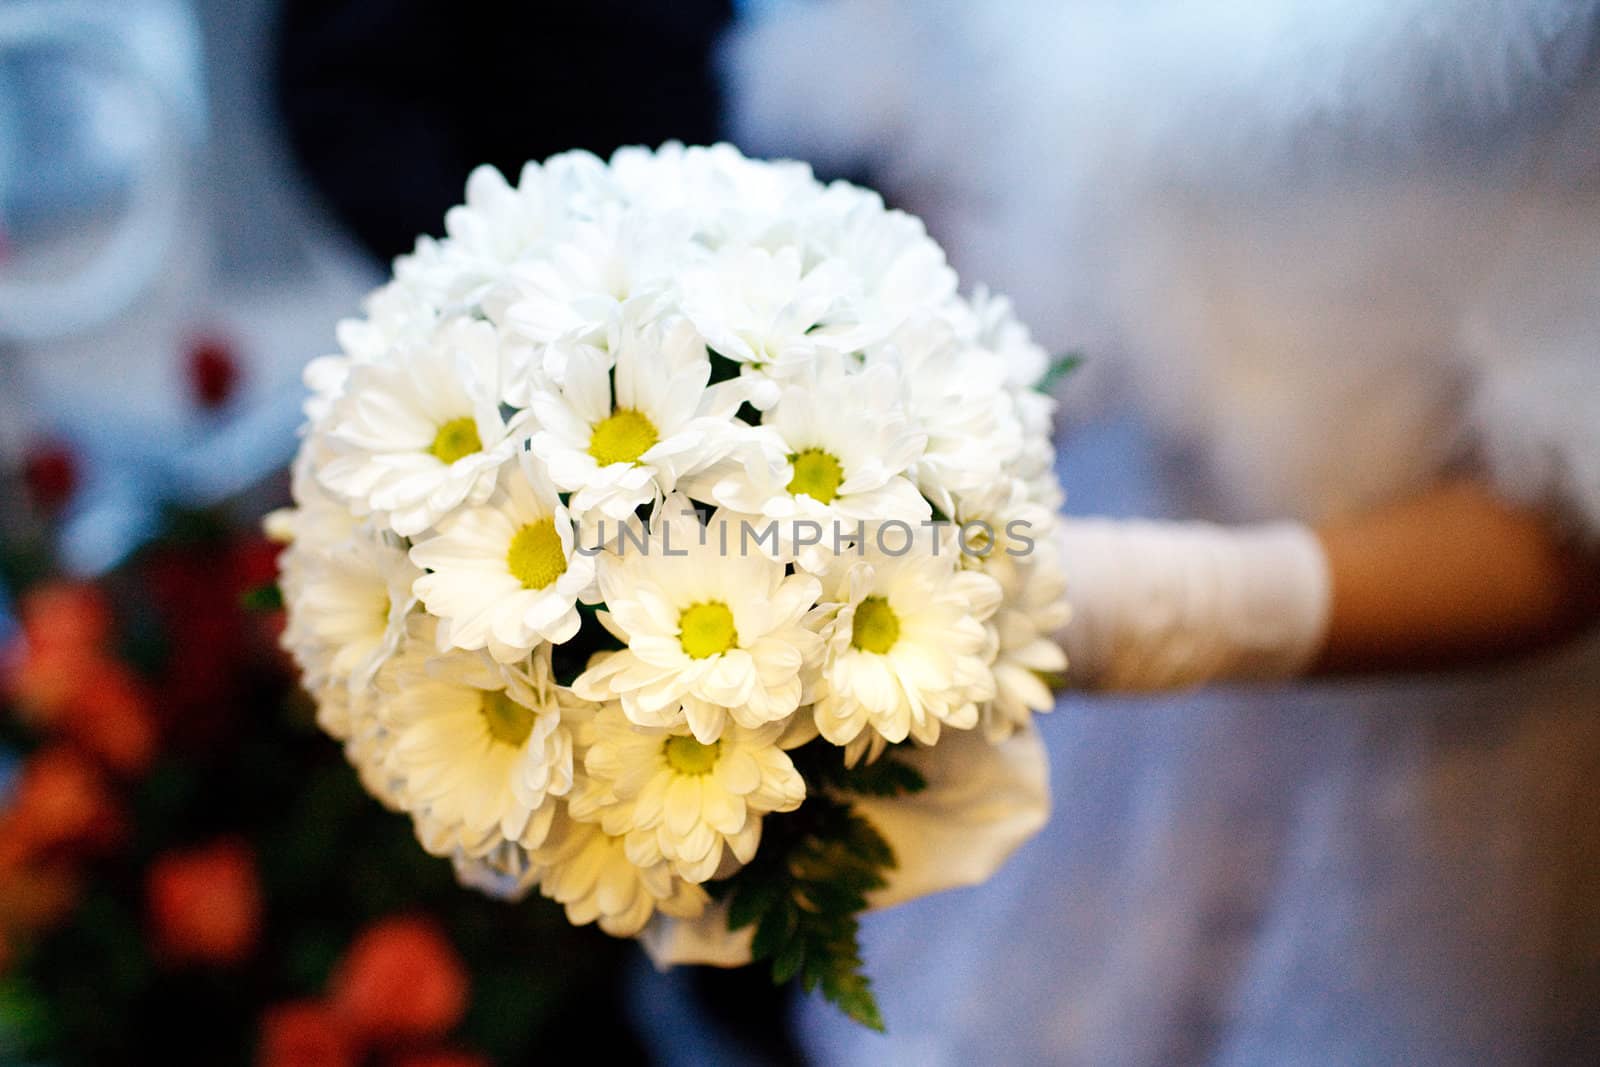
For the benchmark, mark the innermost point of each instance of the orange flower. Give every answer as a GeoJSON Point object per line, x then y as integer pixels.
{"type": "Point", "coordinates": [63, 681]}
{"type": "Point", "coordinates": [61, 805]}
{"type": "Point", "coordinates": [42, 669]}
{"type": "Point", "coordinates": [69, 616]}
{"type": "Point", "coordinates": [400, 979]}
{"type": "Point", "coordinates": [303, 1033]}
{"type": "Point", "coordinates": [43, 681]}
{"type": "Point", "coordinates": [90, 698]}
{"type": "Point", "coordinates": [205, 903]}
{"type": "Point", "coordinates": [112, 718]}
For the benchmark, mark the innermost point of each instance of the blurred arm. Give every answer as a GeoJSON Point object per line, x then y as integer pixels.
{"type": "Point", "coordinates": [1452, 576]}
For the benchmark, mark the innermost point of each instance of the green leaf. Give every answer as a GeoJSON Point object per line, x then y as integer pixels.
{"type": "Point", "coordinates": [266, 597]}
{"type": "Point", "coordinates": [1060, 367]}
{"type": "Point", "coordinates": [775, 929]}
{"type": "Point", "coordinates": [786, 964]}
{"type": "Point", "coordinates": [822, 766]}
{"type": "Point", "coordinates": [750, 904]}
{"type": "Point", "coordinates": [886, 778]}
{"type": "Point", "coordinates": [852, 993]}
{"type": "Point", "coordinates": [810, 879]}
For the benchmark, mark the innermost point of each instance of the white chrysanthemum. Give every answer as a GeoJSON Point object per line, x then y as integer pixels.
{"type": "Point", "coordinates": [588, 871]}
{"type": "Point", "coordinates": [848, 444]}
{"type": "Point", "coordinates": [996, 329]}
{"type": "Point", "coordinates": [671, 797]}
{"type": "Point", "coordinates": [346, 607]}
{"type": "Point", "coordinates": [507, 574]}
{"type": "Point", "coordinates": [1033, 607]}
{"type": "Point", "coordinates": [506, 872]}
{"type": "Point", "coordinates": [906, 648]}
{"type": "Point", "coordinates": [540, 379]}
{"type": "Point", "coordinates": [1007, 535]}
{"type": "Point", "coordinates": [422, 433]}
{"type": "Point", "coordinates": [958, 403]}
{"type": "Point", "coordinates": [576, 290]}
{"type": "Point", "coordinates": [726, 198]}
{"type": "Point", "coordinates": [318, 517]}
{"type": "Point", "coordinates": [623, 427]}
{"type": "Point", "coordinates": [1000, 523]}
{"type": "Point", "coordinates": [497, 226]}
{"type": "Point", "coordinates": [713, 631]}
{"type": "Point", "coordinates": [367, 749]}
{"type": "Point", "coordinates": [767, 312]}
{"type": "Point", "coordinates": [481, 749]}
{"type": "Point", "coordinates": [396, 317]}
{"type": "Point", "coordinates": [1035, 462]}
{"type": "Point", "coordinates": [903, 270]}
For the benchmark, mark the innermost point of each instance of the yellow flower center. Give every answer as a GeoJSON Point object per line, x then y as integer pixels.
{"type": "Point", "coordinates": [455, 439]}
{"type": "Point", "coordinates": [509, 722]}
{"type": "Point", "coordinates": [876, 627]}
{"type": "Point", "coordinates": [688, 756]}
{"type": "Point", "coordinates": [976, 539]}
{"type": "Point", "coordinates": [707, 629]}
{"type": "Point", "coordinates": [622, 437]}
{"type": "Point", "coordinates": [536, 557]}
{"type": "Point", "coordinates": [816, 474]}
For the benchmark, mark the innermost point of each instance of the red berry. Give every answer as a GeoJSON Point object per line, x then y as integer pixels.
{"type": "Point", "coordinates": [213, 372]}
{"type": "Point", "coordinates": [50, 471]}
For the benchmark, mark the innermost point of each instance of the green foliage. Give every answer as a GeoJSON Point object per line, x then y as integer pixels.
{"type": "Point", "coordinates": [810, 879]}
{"type": "Point", "coordinates": [262, 598]}
{"type": "Point", "coordinates": [821, 766]}
{"type": "Point", "coordinates": [1060, 367]}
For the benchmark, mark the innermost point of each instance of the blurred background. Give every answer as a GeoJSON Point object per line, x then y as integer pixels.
{"type": "Point", "coordinates": [193, 193]}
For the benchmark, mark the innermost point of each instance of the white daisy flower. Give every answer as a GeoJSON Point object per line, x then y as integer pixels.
{"type": "Point", "coordinates": [588, 871]}
{"type": "Point", "coordinates": [422, 433]}
{"type": "Point", "coordinates": [346, 607]}
{"type": "Point", "coordinates": [954, 398]}
{"type": "Point", "coordinates": [668, 796]}
{"type": "Point", "coordinates": [395, 317]}
{"type": "Point", "coordinates": [725, 197]}
{"type": "Point", "coordinates": [713, 632]}
{"type": "Point", "coordinates": [498, 225]}
{"type": "Point", "coordinates": [1033, 607]}
{"type": "Point", "coordinates": [768, 313]}
{"type": "Point", "coordinates": [906, 648]}
{"type": "Point", "coordinates": [999, 524]}
{"type": "Point", "coordinates": [1006, 534]}
{"type": "Point", "coordinates": [318, 517]}
{"type": "Point", "coordinates": [575, 290]}
{"type": "Point", "coordinates": [904, 271]}
{"type": "Point", "coordinates": [996, 329]}
{"type": "Point", "coordinates": [623, 427]}
{"type": "Point", "coordinates": [507, 574]}
{"type": "Point", "coordinates": [482, 749]}
{"type": "Point", "coordinates": [506, 872]}
{"type": "Point", "coordinates": [848, 445]}
{"type": "Point", "coordinates": [1035, 462]}
{"type": "Point", "coordinates": [367, 747]}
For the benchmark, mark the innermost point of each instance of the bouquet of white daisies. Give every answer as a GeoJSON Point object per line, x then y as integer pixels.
{"type": "Point", "coordinates": [658, 529]}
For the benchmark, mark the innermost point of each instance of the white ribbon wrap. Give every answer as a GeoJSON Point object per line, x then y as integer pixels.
{"type": "Point", "coordinates": [1170, 605]}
